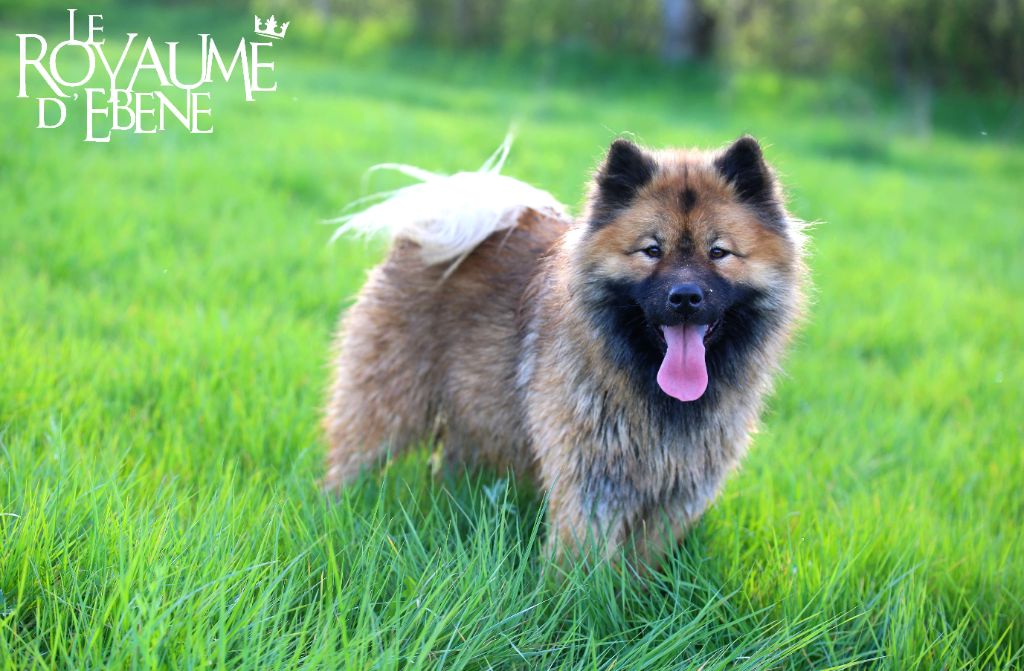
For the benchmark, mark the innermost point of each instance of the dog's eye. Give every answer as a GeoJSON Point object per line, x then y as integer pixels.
{"type": "Point", "coordinates": [654, 251]}
{"type": "Point", "coordinates": [718, 253]}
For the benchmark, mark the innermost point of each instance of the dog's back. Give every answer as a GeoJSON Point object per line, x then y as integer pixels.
{"type": "Point", "coordinates": [430, 348]}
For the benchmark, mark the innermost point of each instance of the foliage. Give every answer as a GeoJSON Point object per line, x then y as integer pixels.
{"type": "Point", "coordinates": [969, 44]}
{"type": "Point", "coordinates": [976, 44]}
{"type": "Point", "coordinates": [899, 42]}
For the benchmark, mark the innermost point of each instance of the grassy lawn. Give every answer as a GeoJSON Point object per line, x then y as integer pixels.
{"type": "Point", "coordinates": [166, 305]}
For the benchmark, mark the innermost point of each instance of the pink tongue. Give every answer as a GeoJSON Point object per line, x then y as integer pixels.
{"type": "Point", "coordinates": [683, 374]}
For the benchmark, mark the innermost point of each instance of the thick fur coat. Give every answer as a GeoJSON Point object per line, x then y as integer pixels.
{"type": "Point", "coordinates": [620, 360]}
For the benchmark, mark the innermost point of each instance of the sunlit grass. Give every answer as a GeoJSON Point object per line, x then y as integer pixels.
{"type": "Point", "coordinates": [166, 305]}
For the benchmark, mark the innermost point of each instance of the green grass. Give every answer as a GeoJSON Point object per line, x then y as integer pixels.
{"type": "Point", "coordinates": [166, 305]}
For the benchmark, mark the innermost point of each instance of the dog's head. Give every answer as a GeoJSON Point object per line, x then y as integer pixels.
{"type": "Point", "coordinates": [688, 258]}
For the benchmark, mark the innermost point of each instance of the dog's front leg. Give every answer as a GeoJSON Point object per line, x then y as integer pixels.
{"type": "Point", "coordinates": [581, 528]}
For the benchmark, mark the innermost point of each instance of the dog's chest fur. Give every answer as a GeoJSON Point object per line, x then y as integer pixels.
{"type": "Point", "coordinates": [628, 453]}
{"type": "Point", "coordinates": [628, 460]}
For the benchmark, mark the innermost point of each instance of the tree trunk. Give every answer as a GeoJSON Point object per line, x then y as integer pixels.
{"type": "Point", "coordinates": [679, 33]}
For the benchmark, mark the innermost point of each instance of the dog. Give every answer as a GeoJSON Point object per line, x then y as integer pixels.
{"type": "Point", "coordinates": [620, 359]}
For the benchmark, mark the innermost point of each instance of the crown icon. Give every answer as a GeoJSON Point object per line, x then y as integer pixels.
{"type": "Point", "coordinates": [270, 28]}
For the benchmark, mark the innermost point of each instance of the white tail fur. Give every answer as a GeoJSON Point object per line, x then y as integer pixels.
{"type": "Point", "coordinates": [449, 215]}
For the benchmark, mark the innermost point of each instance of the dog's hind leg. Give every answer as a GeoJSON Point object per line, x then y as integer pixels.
{"type": "Point", "coordinates": [380, 401]}
{"type": "Point", "coordinates": [360, 435]}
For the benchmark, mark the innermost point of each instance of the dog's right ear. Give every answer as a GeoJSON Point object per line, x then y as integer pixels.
{"type": "Point", "coordinates": [624, 171]}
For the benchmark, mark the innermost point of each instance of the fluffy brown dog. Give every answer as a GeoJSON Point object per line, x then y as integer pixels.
{"type": "Point", "coordinates": [620, 359]}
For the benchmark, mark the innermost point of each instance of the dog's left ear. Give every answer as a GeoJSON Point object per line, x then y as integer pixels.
{"type": "Point", "coordinates": [743, 166]}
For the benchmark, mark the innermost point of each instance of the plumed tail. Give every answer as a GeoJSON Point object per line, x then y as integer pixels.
{"type": "Point", "coordinates": [448, 215]}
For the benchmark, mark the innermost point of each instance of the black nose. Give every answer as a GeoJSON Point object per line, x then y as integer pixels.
{"type": "Point", "coordinates": [685, 297]}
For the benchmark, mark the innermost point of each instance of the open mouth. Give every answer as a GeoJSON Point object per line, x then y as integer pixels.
{"type": "Point", "coordinates": [712, 331]}
{"type": "Point", "coordinates": [709, 335]}
{"type": "Point", "coordinates": [683, 374]}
